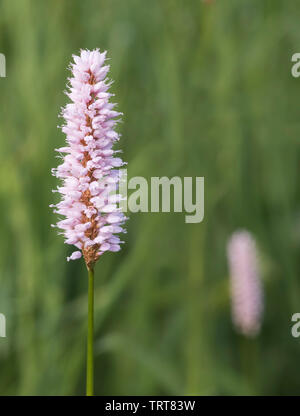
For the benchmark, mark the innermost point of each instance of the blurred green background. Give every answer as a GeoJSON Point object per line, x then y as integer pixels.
{"type": "Point", "coordinates": [206, 90]}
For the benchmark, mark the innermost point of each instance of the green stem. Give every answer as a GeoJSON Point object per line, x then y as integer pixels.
{"type": "Point", "coordinates": [249, 363]}
{"type": "Point", "coordinates": [90, 337]}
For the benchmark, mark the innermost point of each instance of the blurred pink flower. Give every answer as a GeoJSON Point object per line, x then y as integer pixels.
{"type": "Point", "coordinates": [88, 171]}
{"type": "Point", "coordinates": [246, 290]}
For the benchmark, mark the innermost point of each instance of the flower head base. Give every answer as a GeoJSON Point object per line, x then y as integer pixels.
{"type": "Point", "coordinates": [246, 291]}
{"type": "Point", "coordinates": [88, 172]}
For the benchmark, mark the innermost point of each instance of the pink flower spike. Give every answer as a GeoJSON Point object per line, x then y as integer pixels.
{"type": "Point", "coordinates": [87, 157]}
{"type": "Point", "coordinates": [246, 290]}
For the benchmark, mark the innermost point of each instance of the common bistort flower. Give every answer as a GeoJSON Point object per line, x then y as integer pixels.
{"type": "Point", "coordinates": [246, 290]}
{"type": "Point", "coordinates": [91, 216]}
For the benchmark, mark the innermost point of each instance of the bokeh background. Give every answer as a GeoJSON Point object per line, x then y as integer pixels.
{"type": "Point", "coordinates": [206, 90]}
